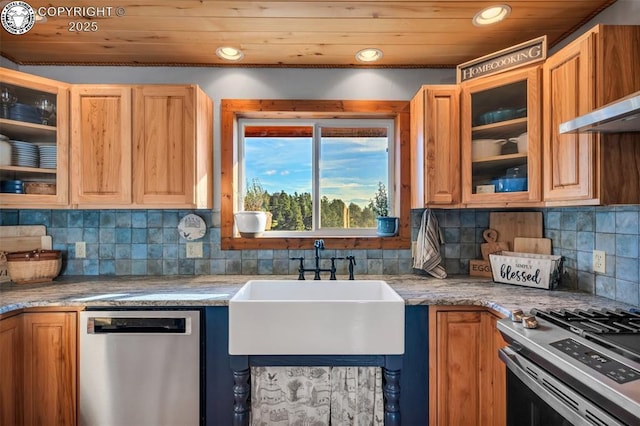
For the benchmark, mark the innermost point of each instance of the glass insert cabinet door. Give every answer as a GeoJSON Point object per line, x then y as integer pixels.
{"type": "Point", "coordinates": [501, 138]}
{"type": "Point", "coordinates": [34, 140]}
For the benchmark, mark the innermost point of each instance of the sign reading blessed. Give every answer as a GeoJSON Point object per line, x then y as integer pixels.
{"type": "Point", "coordinates": [525, 53]}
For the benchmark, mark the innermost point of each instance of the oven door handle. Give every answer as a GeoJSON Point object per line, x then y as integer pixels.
{"type": "Point", "coordinates": [561, 398]}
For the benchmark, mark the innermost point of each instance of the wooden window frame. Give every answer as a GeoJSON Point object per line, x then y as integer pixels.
{"type": "Point", "coordinates": [234, 109]}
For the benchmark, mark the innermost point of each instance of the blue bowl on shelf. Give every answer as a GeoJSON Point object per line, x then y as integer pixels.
{"type": "Point", "coordinates": [24, 112]}
{"type": "Point", "coordinates": [12, 189]}
{"type": "Point", "coordinates": [510, 184]}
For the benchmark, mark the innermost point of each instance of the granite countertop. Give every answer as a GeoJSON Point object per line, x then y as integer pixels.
{"type": "Point", "coordinates": [212, 290]}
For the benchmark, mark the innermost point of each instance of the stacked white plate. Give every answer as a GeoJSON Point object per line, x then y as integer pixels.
{"type": "Point", "coordinates": [24, 154]}
{"type": "Point", "coordinates": [48, 156]}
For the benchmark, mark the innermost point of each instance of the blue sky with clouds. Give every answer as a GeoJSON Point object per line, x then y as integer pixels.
{"type": "Point", "coordinates": [350, 168]}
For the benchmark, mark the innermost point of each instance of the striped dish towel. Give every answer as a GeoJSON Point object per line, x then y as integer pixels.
{"type": "Point", "coordinates": [427, 256]}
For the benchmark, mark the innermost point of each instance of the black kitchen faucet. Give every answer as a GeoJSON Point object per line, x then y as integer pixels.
{"type": "Point", "coordinates": [319, 245]}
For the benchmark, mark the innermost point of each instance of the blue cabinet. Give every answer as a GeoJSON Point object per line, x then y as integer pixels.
{"type": "Point", "coordinates": [219, 382]}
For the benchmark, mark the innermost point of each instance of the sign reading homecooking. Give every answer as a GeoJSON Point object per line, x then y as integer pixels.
{"type": "Point", "coordinates": [525, 53]}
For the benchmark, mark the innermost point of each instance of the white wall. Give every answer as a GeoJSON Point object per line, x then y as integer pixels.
{"type": "Point", "coordinates": [265, 83]}
{"type": "Point", "coordinates": [5, 63]}
{"type": "Point", "coordinates": [622, 12]}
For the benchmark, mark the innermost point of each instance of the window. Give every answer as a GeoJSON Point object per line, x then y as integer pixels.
{"type": "Point", "coordinates": [319, 175]}
{"type": "Point", "coordinates": [311, 138]}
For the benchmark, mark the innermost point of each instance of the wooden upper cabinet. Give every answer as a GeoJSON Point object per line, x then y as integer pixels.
{"type": "Point", "coordinates": [497, 111]}
{"type": "Point", "coordinates": [142, 146]}
{"type": "Point", "coordinates": [585, 168]}
{"type": "Point", "coordinates": [49, 128]}
{"type": "Point", "coordinates": [569, 92]}
{"type": "Point", "coordinates": [101, 145]}
{"type": "Point", "coordinates": [435, 146]}
{"type": "Point", "coordinates": [173, 147]}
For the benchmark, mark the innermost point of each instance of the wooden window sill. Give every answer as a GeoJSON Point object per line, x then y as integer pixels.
{"type": "Point", "coordinates": [334, 243]}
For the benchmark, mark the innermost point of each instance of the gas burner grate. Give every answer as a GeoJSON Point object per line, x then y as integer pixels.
{"type": "Point", "coordinates": [593, 321]}
{"type": "Point", "coordinates": [617, 330]}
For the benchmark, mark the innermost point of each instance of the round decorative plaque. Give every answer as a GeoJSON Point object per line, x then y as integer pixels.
{"type": "Point", "coordinates": [192, 227]}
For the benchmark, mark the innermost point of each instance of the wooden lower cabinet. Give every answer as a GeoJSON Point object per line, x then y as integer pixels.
{"type": "Point", "coordinates": [467, 380]}
{"type": "Point", "coordinates": [38, 358]}
{"type": "Point", "coordinates": [493, 399]}
{"type": "Point", "coordinates": [11, 371]}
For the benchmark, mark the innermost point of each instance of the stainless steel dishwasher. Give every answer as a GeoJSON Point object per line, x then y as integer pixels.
{"type": "Point", "coordinates": [140, 368]}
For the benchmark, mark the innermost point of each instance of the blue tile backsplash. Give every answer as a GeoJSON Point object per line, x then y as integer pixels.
{"type": "Point", "coordinates": [146, 242]}
{"type": "Point", "coordinates": [575, 233]}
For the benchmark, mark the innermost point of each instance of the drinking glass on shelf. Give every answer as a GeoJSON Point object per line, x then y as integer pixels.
{"type": "Point", "coordinates": [45, 108]}
{"type": "Point", "coordinates": [7, 98]}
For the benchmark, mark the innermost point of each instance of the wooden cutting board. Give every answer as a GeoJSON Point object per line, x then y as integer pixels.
{"type": "Point", "coordinates": [532, 245]}
{"type": "Point", "coordinates": [492, 245]}
{"type": "Point", "coordinates": [516, 224]}
{"type": "Point", "coordinates": [10, 244]}
{"type": "Point", "coordinates": [22, 231]}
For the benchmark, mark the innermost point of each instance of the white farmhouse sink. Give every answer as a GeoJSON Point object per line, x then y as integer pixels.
{"type": "Point", "coordinates": [290, 317]}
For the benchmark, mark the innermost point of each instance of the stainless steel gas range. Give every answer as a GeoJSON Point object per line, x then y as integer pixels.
{"type": "Point", "coordinates": [572, 367]}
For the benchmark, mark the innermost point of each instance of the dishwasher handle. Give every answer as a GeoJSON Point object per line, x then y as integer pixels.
{"type": "Point", "coordinates": [138, 325]}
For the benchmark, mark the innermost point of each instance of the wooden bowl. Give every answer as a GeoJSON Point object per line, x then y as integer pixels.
{"type": "Point", "coordinates": [43, 188]}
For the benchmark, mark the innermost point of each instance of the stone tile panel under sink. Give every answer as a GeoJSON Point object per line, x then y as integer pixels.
{"type": "Point", "coordinates": [341, 317]}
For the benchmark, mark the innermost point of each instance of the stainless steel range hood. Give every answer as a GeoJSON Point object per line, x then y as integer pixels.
{"type": "Point", "coordinates": [619, 116]}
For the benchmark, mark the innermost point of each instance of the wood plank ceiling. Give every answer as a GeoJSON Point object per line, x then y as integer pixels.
{"type": "Point", "coordinates": [305, 33]}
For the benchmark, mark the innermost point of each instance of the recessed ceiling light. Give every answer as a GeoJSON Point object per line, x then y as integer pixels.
{"type": "Point", "coordinates": [229, 53]}
{"type": "Point", "coordinates": [491, 15]}
{"type": "Point", "coordinates": [369, 55]}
